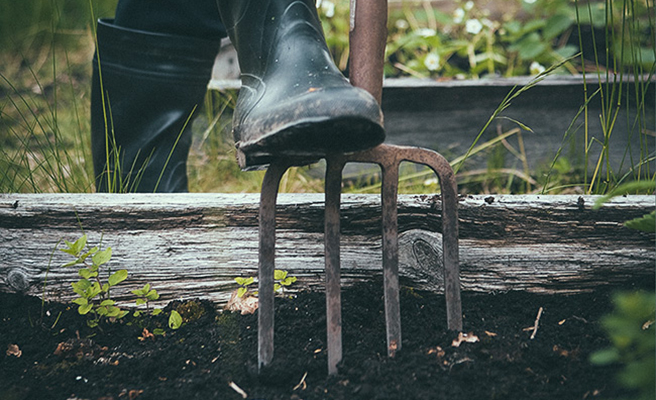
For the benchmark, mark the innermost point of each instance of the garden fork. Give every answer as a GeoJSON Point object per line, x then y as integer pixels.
{"type": "Point", "coordinates": [367, 41]}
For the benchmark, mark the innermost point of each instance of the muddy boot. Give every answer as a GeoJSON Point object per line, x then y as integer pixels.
{"type": "Point", "coordinates": [140, 127]}
{"type": "Point", "coordinates": [294, 102]}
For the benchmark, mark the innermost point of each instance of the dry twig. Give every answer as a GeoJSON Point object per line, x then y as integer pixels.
{"type": "Point", "coordinates": [237, 389]}
{"type": "Point", "coordinates": [536, 324]}
{"type": "Point", "coordinates": [302, 383]}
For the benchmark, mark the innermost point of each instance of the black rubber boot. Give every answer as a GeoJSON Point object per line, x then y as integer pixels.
{"type": "Point", "coordinates": [294, 102]}
{"type": "Point", "coordinates": [151, 83]}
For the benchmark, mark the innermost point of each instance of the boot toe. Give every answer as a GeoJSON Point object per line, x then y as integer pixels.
{"type": "Point", "coordinates": [309, 126]}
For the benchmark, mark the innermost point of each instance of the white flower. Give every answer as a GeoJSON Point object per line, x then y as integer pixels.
{"type": "Point", "coordinates": [536, 68]}
{"type": "Point", "coordinates": [488, 23]}
{"type": "Point", "coordinates": [426, 32]}
{"type": "Point", "coordinates": [432, 61]}
{"type": "Point", "coordinates": [458, 15]}
{"type": "Point", "coordinates": [529, 1]}
{"type": "Point", "coordinates": [469, 5]}
{"type": "Point", "coordinates": [401, 24]}
{"type": "Point", "coordinates": [473, 26]}
{"type": "Point", "coordinates": [328, 8]}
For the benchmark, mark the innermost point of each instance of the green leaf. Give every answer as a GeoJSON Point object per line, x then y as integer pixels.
{"type": "Point", "coordinates": [107, 302]}
{"type": "Point", "coordinates": [276, 287]}
{"type": "Point", "coordinates": [175, 320]}
{"type": "Point", "coordinates": [136, 314]}
{"type": "Point", "coordinates": [605, 356]}
{"type": "Point", "coordinates": [117, 277]}
{"type": "Point", "coordinates": [626, 188]}
{"type": "Point", "coordinates": [157, 311]}
{"type": "Point", "coordinates": [646, 223]}
{"type": "Point", "coordinates": [279, 274]}
{"type": "Point", "coordinates": [76, 247]}
{"type": "Point", "coordinates": [122, 314]}
{"type": "Point", "coordinates": [152, 295]}
{"type": "Point", "coordinates": [102, 311]}
{"type": "Point", "coordinates": [288, 281]}
{"type": "Point", "coordinates": [140, 301]}
{"type": "Point", "coordinates": [84, 256]}
{"type": "Point", "coordinates": [241, 291]}
{"type": "Point", "coordinates": [84, 309]}
{"type": "Point", "coordinates": [556, 25]}
{"type": "Point", "coordinates": [102, 256]}
{"type": "Point", "coordinates": [81, 285]}
{"type": "Point", "coordinates": [94, 290]}
{"type": "Point", "coordinates": [81, 301]}
{"type": "Point", "coordinates": [244, 281]}
{"type": "Point", "coordinates": [92, 323]}
{"type": "Point", "coordinates": [84, 273]}
{"type": "Point", "coordinates": [529, 47]}
{"type": "Point", "coordinates": [113, 311]}
{"type": "Point", "coordinates": [158, 331]}
{"type": "Point", "coordinates": [105, 288]}
{"type": "Point", "coordinates": [521, 125]}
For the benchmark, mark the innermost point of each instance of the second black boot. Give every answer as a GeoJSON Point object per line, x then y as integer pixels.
{"type": "Point", "coordinates": [294, 102]}
{"type": "Point", "coordinates": [145, 88]}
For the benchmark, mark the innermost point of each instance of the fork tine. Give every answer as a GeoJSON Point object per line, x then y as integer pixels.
{"type": "Point", "coordinates": [332, 249]}
{"type": "Point", "coordinates": [267, 254]}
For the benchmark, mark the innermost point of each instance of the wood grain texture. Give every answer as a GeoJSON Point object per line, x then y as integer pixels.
{"type": "Point", "coordinates": [193, 245]}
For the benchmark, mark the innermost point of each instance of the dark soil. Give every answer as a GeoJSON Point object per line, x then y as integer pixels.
{"type": "Point", "coordinates": [215, 348]}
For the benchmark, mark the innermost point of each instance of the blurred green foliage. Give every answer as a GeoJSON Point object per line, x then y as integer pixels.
{"type": "Point", "coordinates": [25, 24]}
{"type": "Point", "coordinates": [630, 328]}
{"type": "Point", "coordinates": [526, 37]}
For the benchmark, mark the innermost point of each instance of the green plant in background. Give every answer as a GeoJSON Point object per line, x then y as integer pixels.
{"type": "Point", "coordinates": [630, 328]}
{"type": "Point", "coordinates": [93, 291]}
{"type": "Point", "coordinates": [525, 38]}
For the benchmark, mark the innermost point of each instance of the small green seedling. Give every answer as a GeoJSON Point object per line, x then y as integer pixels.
{"type": "Point", "coordinates": [280, 277]}
{"type": "Point", "coordinates": [282, 280]}
{"type": "Point", "coordinates": [144, 296]}
{"type": "Point", "coordinates": [94, 294]}
{"type": "Point", "coordinates": [243, 285]}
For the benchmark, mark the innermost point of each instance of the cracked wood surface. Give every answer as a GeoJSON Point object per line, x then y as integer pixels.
{"type": "Point", "coordinates": [193, 245]}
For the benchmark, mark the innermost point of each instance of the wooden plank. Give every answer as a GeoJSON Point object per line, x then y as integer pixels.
{"type": "Point", "coordinates": [193, 245]}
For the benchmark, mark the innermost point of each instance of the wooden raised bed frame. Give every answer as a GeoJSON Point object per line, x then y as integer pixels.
{"type": "Point", "coordinates": [193, 245]}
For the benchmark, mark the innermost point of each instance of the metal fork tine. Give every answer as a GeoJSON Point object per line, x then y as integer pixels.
{"type": "Point", "coordinates": [389, 158]}
{"type": "Point", "coordinates": [333, 184]}
{"type": "Point", "coordinates": [390, 229]}
{"type": "Point", "coordinates": [267, 254]}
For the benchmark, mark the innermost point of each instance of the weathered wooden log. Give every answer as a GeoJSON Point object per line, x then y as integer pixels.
{"type": "Point", "coordinates": [193, 245]}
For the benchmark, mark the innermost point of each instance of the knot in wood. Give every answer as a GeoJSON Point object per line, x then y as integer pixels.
{"type": "Point", "coordinates": [18, 280]}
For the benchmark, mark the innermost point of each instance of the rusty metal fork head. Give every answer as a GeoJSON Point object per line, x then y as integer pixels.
{"type": "Point", "coordinates": [389, 158]}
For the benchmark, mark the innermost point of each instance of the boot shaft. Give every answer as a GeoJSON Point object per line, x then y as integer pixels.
{"type": "Point", "coordinates": [275, 31]}
{"type": "Point", "coordinates": [145, 87]}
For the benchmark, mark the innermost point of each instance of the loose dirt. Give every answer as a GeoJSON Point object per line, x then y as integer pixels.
{"type": "Point", "coordinates": [214, 354]}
